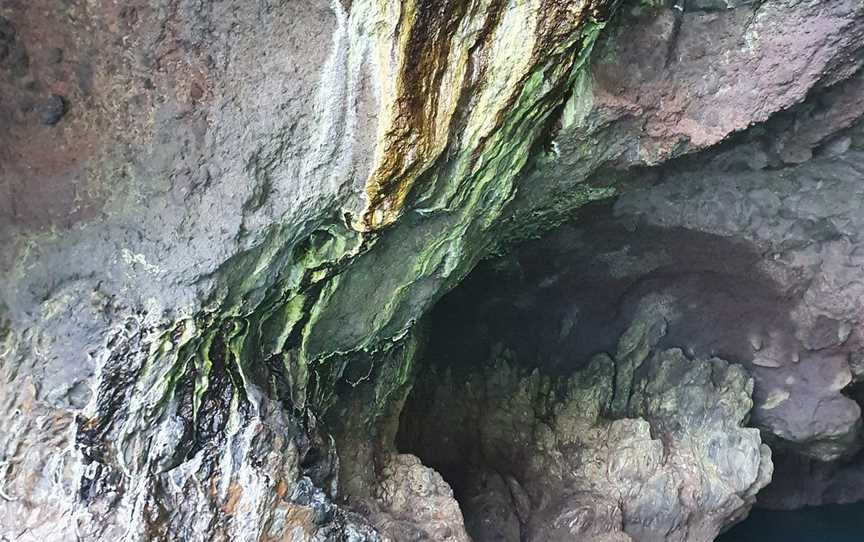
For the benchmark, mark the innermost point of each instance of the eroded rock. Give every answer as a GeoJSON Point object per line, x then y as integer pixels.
{"type": "Point", "coordinates": [249, 207]}
{"type": "Point", "coordinates": [581, 469]}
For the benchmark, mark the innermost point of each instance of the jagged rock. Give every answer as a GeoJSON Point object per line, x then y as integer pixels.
{"type": "Point", "coordinates": [417, 504]}
{"type": "Point", "coordinates": [807, 229]}
{"type": "Point", "coordinates": [757, 266]}
{"type": "Point", "coordinates": [588, 474]}
{"type": "Point", "coordinates": [250, 206]}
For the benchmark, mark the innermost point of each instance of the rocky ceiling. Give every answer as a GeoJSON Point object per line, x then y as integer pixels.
{"type": "Point", "coordinates": [229, 230]}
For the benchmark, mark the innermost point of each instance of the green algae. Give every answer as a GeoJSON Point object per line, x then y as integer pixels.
{"type": "Point", "coordinates": [313, 308]}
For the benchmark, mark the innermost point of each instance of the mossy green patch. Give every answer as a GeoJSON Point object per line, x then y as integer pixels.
{"type": "Point", "coordinates": [298, 314]}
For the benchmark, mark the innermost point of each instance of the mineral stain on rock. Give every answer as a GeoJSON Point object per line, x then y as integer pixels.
{"type": "Point", "coordinates": [463, 72]}
{"type": "Point", "coordinates": [391, 270]}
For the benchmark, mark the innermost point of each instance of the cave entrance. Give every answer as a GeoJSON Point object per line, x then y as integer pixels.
{"type": "Point", "coordinates": [592, 363]}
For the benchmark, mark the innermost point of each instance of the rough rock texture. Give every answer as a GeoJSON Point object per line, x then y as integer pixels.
{"type": "Point", "coordinates": [411, 494]}
{"type": "Point", "coordinates": [665, 83]}
{"type": "Point", "coordinates": [203, 269]}
{"type": "Point", "coordinates": [806, 225]}
{"type": "Point", "coordinates": [757, 265]}
{"type": "Point", "coordinates": [594, 456]}
{"type": "Point", "coordinates": [760, 266]}
{"type": "Point", "coordinates": [221, 221]}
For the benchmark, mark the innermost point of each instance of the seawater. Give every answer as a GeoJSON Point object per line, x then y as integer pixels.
{"type": "Point", "coordinates": [833, 523]}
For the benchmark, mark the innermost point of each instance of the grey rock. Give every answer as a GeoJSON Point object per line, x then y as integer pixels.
{"type": "Point", "coordinates": [52, 110]}
{"type": "Point", "coordinates": [826, 332]}
{"type": "Point", "coordinates": [227, 235]}
{"type": "Point", "coordinates": [588, 476]}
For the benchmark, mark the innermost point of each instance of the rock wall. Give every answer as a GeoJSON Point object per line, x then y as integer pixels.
{"type": "Point", "coordinates": [744, 261]}
{"type": "Point", "coordinates": [221, 223]}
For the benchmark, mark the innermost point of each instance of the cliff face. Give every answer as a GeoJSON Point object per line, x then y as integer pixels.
{"type": "Point", "coordinates": [224, 226]}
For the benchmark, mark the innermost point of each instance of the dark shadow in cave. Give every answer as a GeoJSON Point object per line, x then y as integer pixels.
{"type": "Point", "coordinates": [553, 303]}
{"type": "Point", "coordinates": [558, 300]}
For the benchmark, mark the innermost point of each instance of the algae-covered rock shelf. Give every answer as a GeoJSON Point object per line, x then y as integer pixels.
{"type": "Point", "coordinates": [428, 269]}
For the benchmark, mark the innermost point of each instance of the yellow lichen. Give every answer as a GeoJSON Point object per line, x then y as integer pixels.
{"type": "Point", "coordinates": [449, 73]}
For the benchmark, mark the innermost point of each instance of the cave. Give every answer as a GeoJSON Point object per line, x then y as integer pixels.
{"type": "Point", "coordinates": [431, 270]}
{"type": "Point", "coordinates": [509, 347]}
{"type": "Point", "coordinates": [677, 322]}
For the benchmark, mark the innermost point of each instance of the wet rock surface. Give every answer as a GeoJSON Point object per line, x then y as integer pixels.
{"type": "Point", "coordinates": [223, 225]}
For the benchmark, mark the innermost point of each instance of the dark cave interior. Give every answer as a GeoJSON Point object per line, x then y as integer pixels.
{"type": "Point", "coordinates": [529, 324]}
